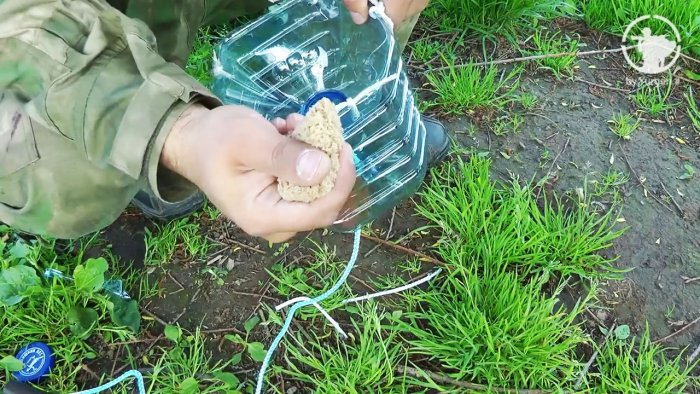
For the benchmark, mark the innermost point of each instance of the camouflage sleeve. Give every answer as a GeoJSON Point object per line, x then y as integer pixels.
{"type": "Point", "coordinates": [85, 72]}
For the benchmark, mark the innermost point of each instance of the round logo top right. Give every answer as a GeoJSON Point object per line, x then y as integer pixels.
{"type": "Point", "coordinates": [658, 52]}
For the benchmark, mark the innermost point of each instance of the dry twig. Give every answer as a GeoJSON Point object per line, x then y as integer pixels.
{"type": "Point", "coordinates": [680, 330]}
{"type": "Point", "coordinates": [419, 373]}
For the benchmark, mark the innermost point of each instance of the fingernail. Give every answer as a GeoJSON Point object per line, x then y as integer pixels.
{"type": "Point", "coordinates": [308, 164]}
{"type": "Point", "coordinates": [357, 17]}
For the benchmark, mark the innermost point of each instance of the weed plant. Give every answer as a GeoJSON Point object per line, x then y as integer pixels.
{"type": "Point", "coordinates": [653, 100]}
{"type": "Point", "coordinates": [626, 368]}
{"type": "Point", "coordinates": [615, 15]}
{"type": "Point", "coordinates": [693, 110]}
{"type": "Point", "coordinates": [366, 363]}
{"type": "Point", "coordinates": [624, 125]}
{"type": "Point", "coordinates": [462, 89]}
{"type": "Point", "coordinates": [551, 43]}
{"type": "Point", "coordinates": [491, 18]}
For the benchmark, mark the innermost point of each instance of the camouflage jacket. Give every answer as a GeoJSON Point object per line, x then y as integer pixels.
{"type": "Point", "coordinates": [88, 89]}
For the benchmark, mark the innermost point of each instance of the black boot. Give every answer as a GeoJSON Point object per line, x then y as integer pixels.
{"type": "Point", "coordinates": [437, 143]}
{"type": "Point", "coordinates": [157, 209]}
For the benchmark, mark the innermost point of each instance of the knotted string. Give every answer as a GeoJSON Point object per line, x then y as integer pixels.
{"type": "Point", "coordinates": [307, 302]}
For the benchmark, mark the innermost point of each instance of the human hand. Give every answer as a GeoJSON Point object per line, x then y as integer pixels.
{"type": "Point", "coordinates": [235, 156]}
{"type": "Point", "coordinates": [397, 10]}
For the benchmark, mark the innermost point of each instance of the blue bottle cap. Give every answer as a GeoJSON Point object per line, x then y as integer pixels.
{"type": "Point", "coordinates": [336, 97]}
{"type": "Point", "coordinates": [38, 360]}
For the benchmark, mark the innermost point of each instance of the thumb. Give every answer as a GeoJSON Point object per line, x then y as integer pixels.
{"type": "Point", "coordinates": [358, 10]}
{"type": "Point", "coordinates": [290, 160]}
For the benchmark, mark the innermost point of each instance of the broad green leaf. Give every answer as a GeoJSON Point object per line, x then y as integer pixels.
{"type": "Point", "coordinates": [235, 338]}
{"type": "Point", "coordinates": [692, 75]}
{"type": "Point", "coordinates": [15, 283]}
{"type": "Point", "coordinates": [19, 250]}
{"type": "Point", "coordinates": [91, 276]}
{"type": "Point", "coordinates": [257, 351]}
{"type": "Point", "coordinates": [125, 313]}
{"type": "Point", "coordinates": [236, 359]}
{"type": "Point", "coordinates": [251, 323]}
{"type": "Point", "coordinates": [689, 172]}
{"type": "Point", "coordinates": [622, 332]}
{"type": "Point", "coordinates": [230, 379]}
{"type": "Point", "coordinates": [82, 321]}
{"type": "Point", "coordinates": [172, 332]}
{"type": "Point", "coordinates": [189, 386]}
{"type": "Point", "coordinates": [11, 364]}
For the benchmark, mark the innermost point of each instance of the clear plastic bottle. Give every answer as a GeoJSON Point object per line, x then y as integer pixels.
{"type": "Point", "coordinates": [304, 50]}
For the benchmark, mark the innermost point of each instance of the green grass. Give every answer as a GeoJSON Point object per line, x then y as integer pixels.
{"type": "Point", "coordinates": [184, 234]}
{"type": "Point", "coordinates": [693, 110]}
{"type": "Point", "coordinates": [626, 368]}
{"type": "Point", "coordinates": [491, 18]}
{"type": "Point", "coordinates": [363, 364]}
{"type": "Point", "coordinates": [615, 15]}
{"type": "Point", "coordinates": [610, 184]}
{"type": "Point", "coordinates": [528, 101]}
{"type": "Point", "coordinates": [186, 366]}
{"type": "Point", "coordinates": [462, 89]}
{"type": "Point", "coordinates": [487, 223]}
{"type": "Point", "coordinates": [501, 331]}
{"type": "Point", "coordinates": [550, 43]}
{"type": "Point", "coordinates": [624, 126]}
{"type": "Point", "coordinates": [654, 100]}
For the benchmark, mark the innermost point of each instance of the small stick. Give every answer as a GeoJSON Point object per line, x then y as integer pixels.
{"type": "Point", "coordinates": [358, 280]}
{"type": "Point", "coordinates": [691, 280]}
{"type": "Point", "coordinates": [551, 166]}
{"type": "Point", "coordinates": [151, 314]}
{"type": "Point", "coordinates": [148, 349]}
{"type": "Point", "coordinates": [179, 316]}
{"type": "Point", "coordinates": [391, 224]}
{"type": "Point", "coordinates": [242, 245]}
{"type": "Point", "coordinates": [177, 282]}
{"type": "Point", "coordinates": [223, 330]}
{"type": "Point", "coordinates": [116, 357]}
{"type": "Point", "coordinates": [626, 91]}
{"type": "Point", "coordinates": [535, 57]}
{"type": "Point", "coordinates": [693, 356]}
{"type": "Point", "coordinates": [413, 372]}
{"type": "Point", "coordinates": [639, 180]}
{"type": "Point", "coordinates": [136, 341]}
{"type": "Point", "coordinates": [90, 371]}
{"type": "Point", "coordinates": [673, 334]}
{"type": "Point", "coordinates": [566, 144]}
{"type": "Point", "coordinates": [260, 296]}
{"type": "Point", "coordinates": [405, 250]}
{"type": "Point", "coordinates": [264, 292]}
{"type": "Point", "coordinates": [592, 359]}
{"type": "Point", "coordinates": [680, 210]}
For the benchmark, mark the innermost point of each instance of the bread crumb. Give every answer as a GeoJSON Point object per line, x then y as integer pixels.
{"type": "Point", "coordinates": [321, 128]}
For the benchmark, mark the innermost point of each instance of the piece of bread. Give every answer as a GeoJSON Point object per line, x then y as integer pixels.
{"type": "Point", "coordinates": [321, 128]}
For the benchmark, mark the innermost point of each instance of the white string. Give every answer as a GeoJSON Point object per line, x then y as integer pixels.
{"type": "Point", "coordinates": [333, 322]}
{"type": "Point", "coordinates": [396, 290]}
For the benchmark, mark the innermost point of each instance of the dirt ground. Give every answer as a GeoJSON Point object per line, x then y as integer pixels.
{"type": "Point", "coordinates": [661, 245]}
